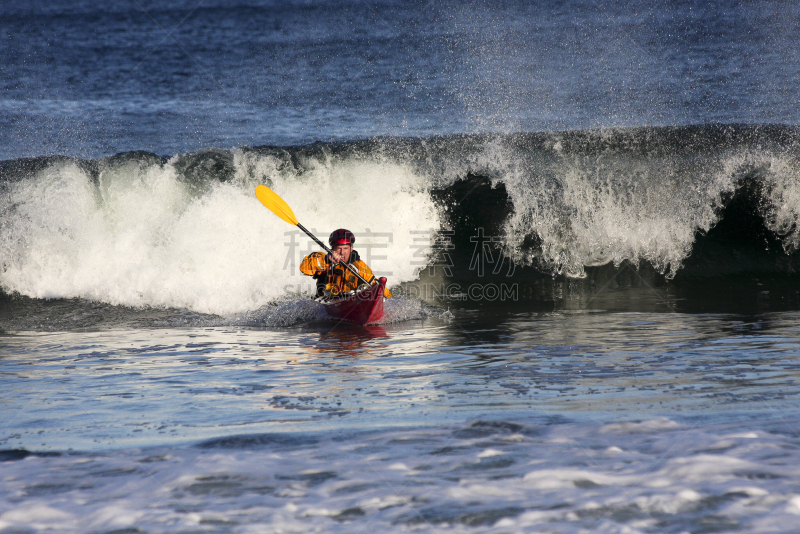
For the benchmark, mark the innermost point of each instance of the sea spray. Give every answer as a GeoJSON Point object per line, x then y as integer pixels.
{"type": "Point", "coordinates": [142, 235]}
{"type": "Point", "coordinates": [589, 210]}
{"type": "Point", "coordinates": [187, 232]}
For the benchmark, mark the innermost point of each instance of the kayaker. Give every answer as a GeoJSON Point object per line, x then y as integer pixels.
{"type": "Point", "coordinates": [331, 277]}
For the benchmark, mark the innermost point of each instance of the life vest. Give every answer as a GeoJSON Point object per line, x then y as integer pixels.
{"type": "Point", "coordinates": [334, 277]}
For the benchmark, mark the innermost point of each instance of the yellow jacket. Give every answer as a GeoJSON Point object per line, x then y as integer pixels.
{"type": "Point", "coordinates": [334, 277]}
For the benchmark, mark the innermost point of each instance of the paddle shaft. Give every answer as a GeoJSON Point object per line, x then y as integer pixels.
{"type": "Point", "coordinates": [329, 251]}
{"type": "Point", "coordinates": [279, 207]}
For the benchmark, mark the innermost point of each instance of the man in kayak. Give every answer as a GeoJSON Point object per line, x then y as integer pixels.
{"type": "Point", "coordinates": [333, 278]}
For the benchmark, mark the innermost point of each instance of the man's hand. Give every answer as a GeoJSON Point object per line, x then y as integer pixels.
{"type": "Point", "coordinates": [335, 257]}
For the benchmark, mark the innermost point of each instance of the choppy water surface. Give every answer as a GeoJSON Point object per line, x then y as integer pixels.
{"type": "Point", "coordinates": [590, 211]}
{"type": "Point", "coordinates": [559, 422]}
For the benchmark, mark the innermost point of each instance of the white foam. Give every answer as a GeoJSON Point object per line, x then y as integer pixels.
{"type": "Point", "coordinates": [35, 514]}
{"type": "Point", "coordinates": [794, 505]}
{"type": "Point", "coordinates": [566, 478]}
{"type": "Point", "coordinates": [400, 309]}
{"type": "Point", "coordinates": [336, 485]}
{"type": "Point", "coordinates": [651, 425]}
{"type": "Point", "coordinates": [590, 210]}
{"type": "Point", "coordinates": [142, 237]}
{"type": "Point", "coordinates": [706, 468]}
{"type": "Point", "coordinates": [288, 313]}
{"type": "Point", "coordinates": [743, 435]}
{"type": "Point", "coordinates": [781, 193]}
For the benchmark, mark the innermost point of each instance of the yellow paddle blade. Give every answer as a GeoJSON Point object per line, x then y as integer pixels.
{"type": "Point", "coordinates": [279, 207]}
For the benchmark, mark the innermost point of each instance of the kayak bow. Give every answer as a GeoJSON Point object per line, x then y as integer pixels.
{"type": "Point", "coordinates": [358, 307]}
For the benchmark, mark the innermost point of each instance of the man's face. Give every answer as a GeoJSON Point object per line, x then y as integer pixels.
{"type": "Point", "coordinates": [343, 251]}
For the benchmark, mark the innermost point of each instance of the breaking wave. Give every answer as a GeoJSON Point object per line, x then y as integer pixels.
{"type": "Point", "coordinates": [140, 230]}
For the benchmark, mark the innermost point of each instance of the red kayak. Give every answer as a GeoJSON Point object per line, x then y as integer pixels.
{"type": "Point", "coordinates": [359, 307]}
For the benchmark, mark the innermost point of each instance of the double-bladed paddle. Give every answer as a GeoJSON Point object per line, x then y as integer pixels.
{"type": "Point", "coordinates": [279, 207]}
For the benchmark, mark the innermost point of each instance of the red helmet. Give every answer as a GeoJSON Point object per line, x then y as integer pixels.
{"type": "Point", "coordinates": [341, 237]}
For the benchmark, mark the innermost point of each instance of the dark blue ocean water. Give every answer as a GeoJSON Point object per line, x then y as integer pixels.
{"type": "Point", "coordinates": [589, 213]}
{"type": "Point", "coordinates": [92, 79]}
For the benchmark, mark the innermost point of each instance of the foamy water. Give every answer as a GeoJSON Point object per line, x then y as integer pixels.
{"type": "Point", "coordinates": [565, 422]}
{"type": "Point", "coordinates": [189, 233]}
{"type": "Point", "coordinates": [486, 476]}
{"type": "Point", "coordinates": [144, 236]}
{"type": "Point", "coordinates": [164, 371]}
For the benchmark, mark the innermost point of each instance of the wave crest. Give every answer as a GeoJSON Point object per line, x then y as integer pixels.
{"type": "Point", "coordinates": [187, 232]}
